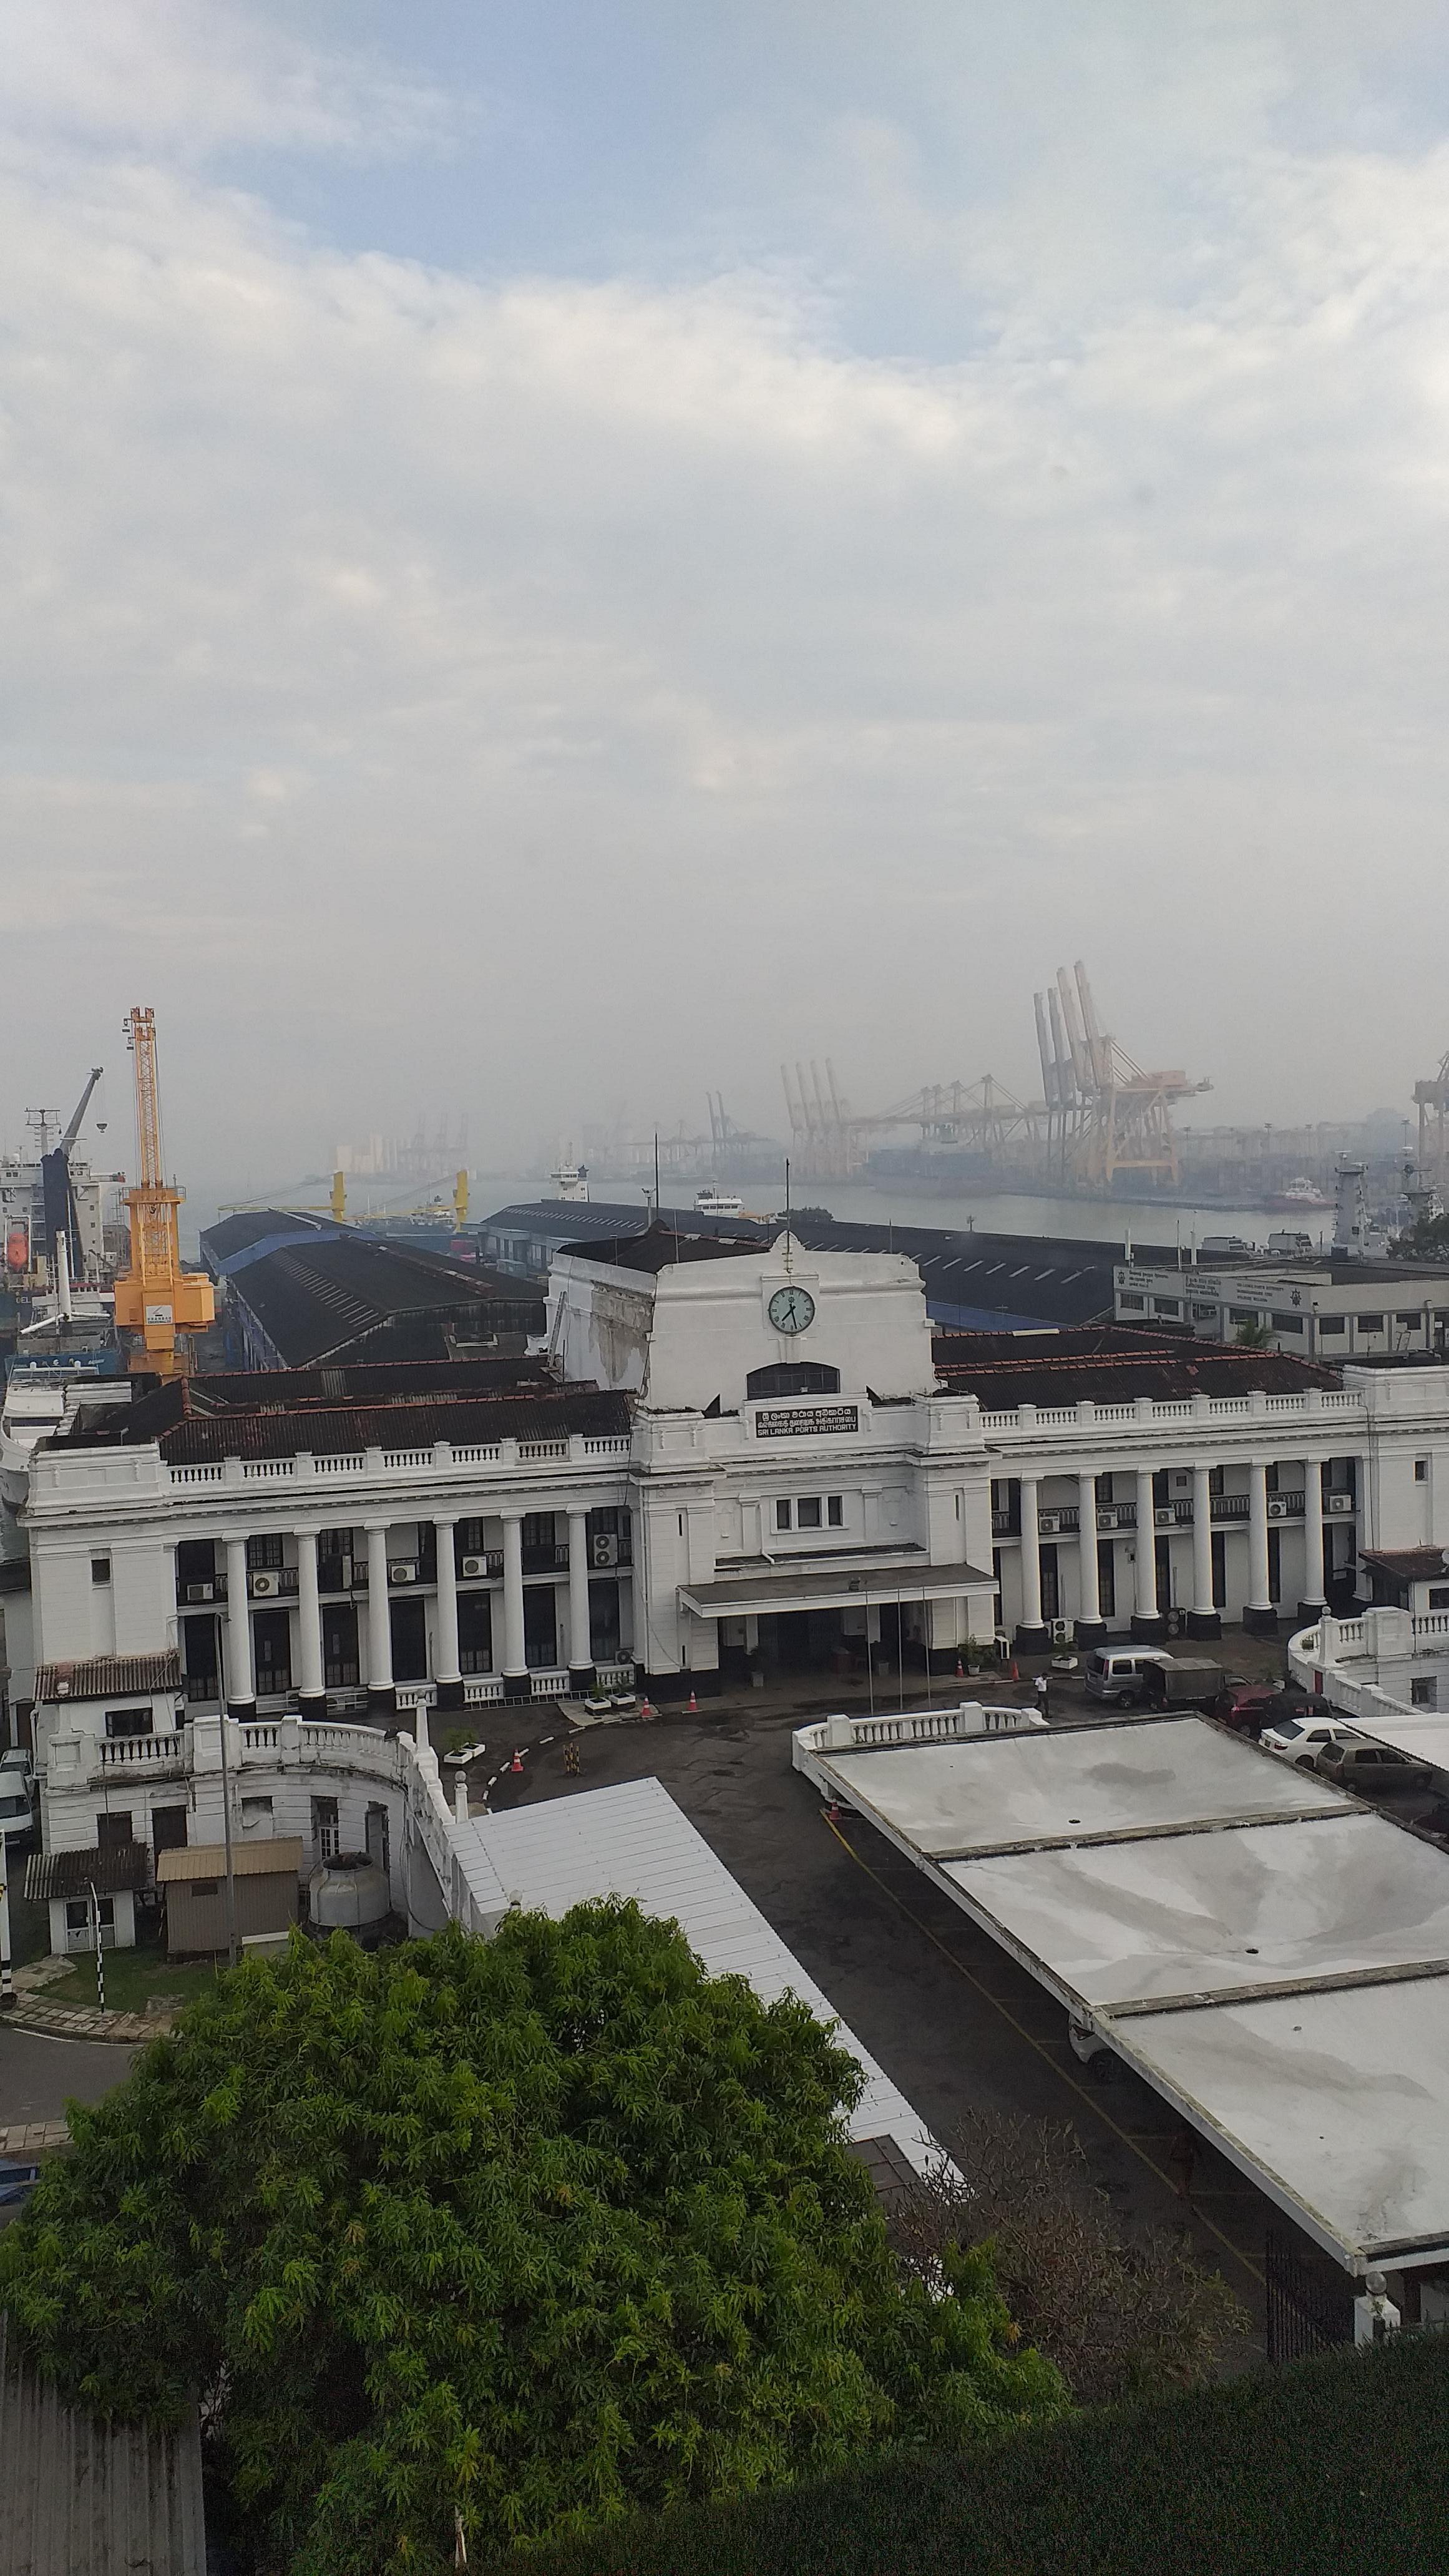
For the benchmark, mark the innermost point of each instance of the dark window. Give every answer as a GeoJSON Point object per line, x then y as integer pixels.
{"type": "Point", "coordinates": [792, 1377]}
{"type": "Point", "coordinates": [540, 1627]}
{"type": "Point", "coordinates": [1421, 1471]}
{"type": "Point", "coordinates": [264, 1553]}
{"type": "Point", "coordinates": [1287, 1323]}
{"type": "Point", "coordinates": [202, 1886]}
{"type": "Point", "coordinates": [1439, 1597]}
{"type": "Point", "coordinates": [1332, 1324]}
{"type": "Point", "coordinates": [835, 1510]}
{"type": "Point", "coordinates": [807, 1512]}
{"type": "Point", "coordinates": [168, 1829]}
{"type": "Point", "coordinates": [782, 1516]}
{"type": "Point", "coordinates": [1215, 1480]}
{"type": "Point", "coordinates": [1104, 1489]}
{"type": "Point", "coordinates": [334, 1542]}
{"type": "Point", "coordinates": [470, 1538]}
{"type": "Point", "coordinates": [1204, 1314]}
{"type": "Point", "coordinates": [100, 1569]}
{"type": "Point", "coordinates": [537, 1529]}
{"type": "Point", "coordinates": [1242, 1314]}
{"type": "Point", "coordinates": [1167, 1305]}
{"type": "Point", "coordinates": [325, 1831]}
{"type": "Point", "coordinates": [128, 1721]}
{"type": "Point", "coordinates": [1424, 1694]}
{"type": "Point", "coordinates": [113, 1832]}
{"type": "Point", "coordinates": [1410, 1323]}
{"type": "Point", "coordinates": [195, 1561]}
{"type": "Point", "coordinates": [409, 1640]}
{"type": "Point", "coordinates": [78, 1913]}
{"type": "Point", "coordinates": [339, 1646]}
{"type": "Point", "coordinates": [475, 1633]}
{"type": "Point", "coordinates": [1369, 1323]}
{"type": "Point", "coordinates": [272, 1636]}
{"type": "Point", "coordinates": [1135, 1303]}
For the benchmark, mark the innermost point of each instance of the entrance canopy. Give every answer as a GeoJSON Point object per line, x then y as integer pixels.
{"type": "Point", "coordinates": [855, 1584]}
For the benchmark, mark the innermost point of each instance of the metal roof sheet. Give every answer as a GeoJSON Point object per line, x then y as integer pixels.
{"type": "Point", "coordinates": [634, 1841]}
{"type": "Point", "coordinates": [83, 2498]}
{"type": "Point", "coordinates": [258, 1856]}
{"type": "Point", "coordinates": [111, 1871]}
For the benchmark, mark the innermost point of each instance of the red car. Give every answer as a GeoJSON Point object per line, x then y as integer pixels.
{"type": "Point", "coordinates": [1248, 1707]}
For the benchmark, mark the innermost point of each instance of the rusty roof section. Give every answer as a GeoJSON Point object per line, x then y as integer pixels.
{"type": "Point", "coordinates": [83, 2498]}
{"type": "Point", "coordinates": [1113, 1364]}
{"type": "Point", "coordinates": [109, 1676]}
{"type": "Point", "coordinates": [551, 1413]}
{"type": "Point", "coordinates": [1408, 1564]}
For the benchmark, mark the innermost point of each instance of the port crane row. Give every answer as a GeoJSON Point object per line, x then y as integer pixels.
{"type": "Point", "coordinates": [1100, 1114]}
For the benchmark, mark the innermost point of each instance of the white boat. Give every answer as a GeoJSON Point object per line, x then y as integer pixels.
{"type": "Point", "coordinates": [717, 1203]}
{"type": "Point", "coordinates": [1301, 1193]}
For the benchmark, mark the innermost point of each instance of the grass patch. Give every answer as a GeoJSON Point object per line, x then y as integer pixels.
{"type": "Point", "coordinates": [132, 1978]}
{"type": "Point", "coordinates": [1336, 2463]}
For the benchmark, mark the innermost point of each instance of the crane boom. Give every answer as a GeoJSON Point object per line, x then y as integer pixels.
{"type": "Point", "coordinates": [82, 1105]}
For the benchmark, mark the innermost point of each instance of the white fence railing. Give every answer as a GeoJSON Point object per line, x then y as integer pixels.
{"type": "Point", "coordinates": [142, 1752]}
{"type": "Point", "coordinates": [846, 1734]}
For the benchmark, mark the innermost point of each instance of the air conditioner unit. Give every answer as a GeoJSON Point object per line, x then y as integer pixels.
{"type": "Point", "coordinates": [1048, 1523]}
{"type": "Point", "coordinates": [1106, 1517]}
{"type": "Point", "coordinates": [403, 1570]}
{"type": "Point", "coordinates": [1339, 1502]}
{"type": "Point", "coordinates": [473, 1565]}
{"type": "Point", "coordinates": [201, 1592]}
{"type": "Point", "coordinates": [263, 1586]}
{"type": "Point", "coordinates": [1061, 1632]}
{"type": "Point", "coordinates": [1277, 1507]}
{"type": "Point", "coordinates": [1163, 1516]}
{"type": "Point", "coordinates": [604, 1548]}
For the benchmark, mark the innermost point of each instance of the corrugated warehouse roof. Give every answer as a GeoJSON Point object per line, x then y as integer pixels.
{"type": "Point", "coordinates": [661, 1247]}
{"type": "Point", "coordinates": [339, 1295]}
{"type": "Point", "coordinates": [970, 1278]}
{"type": "Point", "coordinates": [82, 2498]}
{"type": "Point", "coordinates": [271, 1856]}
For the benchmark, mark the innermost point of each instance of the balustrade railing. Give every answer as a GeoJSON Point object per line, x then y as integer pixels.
{"type": "Point", "coordinates": [142, 1752]}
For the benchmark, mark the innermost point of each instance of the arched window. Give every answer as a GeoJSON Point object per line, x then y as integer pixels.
{"type": "Point", "coordinates": [792, 1377]}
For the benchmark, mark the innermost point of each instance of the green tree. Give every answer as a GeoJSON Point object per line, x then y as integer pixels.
{"type": "Point", "coordinates": [1253, 1337]}
{"type": "Point", "coordinates": [525, 2232]}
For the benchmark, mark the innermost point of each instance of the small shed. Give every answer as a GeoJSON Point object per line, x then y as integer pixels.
{"type": "Point", "coordinates": [192, 1880]}
{"type": "Point", "coordinates": [64, 1881]}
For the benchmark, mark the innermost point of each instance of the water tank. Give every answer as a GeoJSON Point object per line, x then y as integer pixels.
{"type": "Point", "coordinates": [349, 1894]}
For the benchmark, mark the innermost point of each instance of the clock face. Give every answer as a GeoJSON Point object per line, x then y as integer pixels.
{"type": "Point", "coordinates": [791, 1309]}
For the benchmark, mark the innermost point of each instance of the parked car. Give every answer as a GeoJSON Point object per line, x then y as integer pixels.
{"type": "Point", "coordinates": [1372, 1769]}
{"type": "Point", "coordinates": [17, 1791]}
{"type": "Point", "coordinates": [1302, 1739]}
{"type": "Point", "coordinates": [1249, 1708]}
{"type": "Point", "coordinates": [1118, 1674]}
{"type": "Point", "coordinates": [17, 2182]}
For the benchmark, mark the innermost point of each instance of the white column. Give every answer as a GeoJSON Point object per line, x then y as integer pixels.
{"type": "Point", "coordinates": [1259, 1593]}
{"type": "Point", "coordinates": [580, 1650]}
{"type": "Point", "coordinates": [448, 1676]}
{"type": "Point", "coordinates": [379, 1624]}
{"type": "Point", "coordinates": [1146, 1547]}
{"type": "Point", "coordinates": [1090, 1611]}
{"type": "Point", "coordinates": [1313, 1535]}
{"type": "Point", "coordinates": [1030, 1554]}
{"type": "Point", "coordinates": [514, 1666]}
{"type": "Point", "coordinates": [1202, 1543]}
{"type": "Point", "coordinates": [309, 1619]}
{"type": "Point", "coordinates": [241, 1681]}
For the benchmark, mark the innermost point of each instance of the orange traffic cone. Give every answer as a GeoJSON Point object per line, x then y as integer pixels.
{"type": "Point", "coordinates": [644, 1708]}
{"type": "Point", "coordinates": [693, 1705]}
{"type": "Point", "coordinates": [517, 1763]}
{"type": "Point", "coordinates": [1014, 1675]}
{"type": "Point", "coordinates": [960, 1675]}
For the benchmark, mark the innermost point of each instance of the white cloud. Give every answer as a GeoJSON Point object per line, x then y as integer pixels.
{"type": "Point", "coordinates": [510, 694]}
{"type": "Point", "coordinates": [201, 75]}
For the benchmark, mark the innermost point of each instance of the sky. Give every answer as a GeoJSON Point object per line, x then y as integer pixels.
{"type": "Point", "coordinates": [555, 554]}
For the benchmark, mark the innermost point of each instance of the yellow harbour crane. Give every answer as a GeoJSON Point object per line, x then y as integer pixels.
{"type": "Point", "coordinates": [156, 1297]}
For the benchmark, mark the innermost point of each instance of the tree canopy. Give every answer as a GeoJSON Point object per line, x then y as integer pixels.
{"type": "Point", "coordinates": [526, 2233]}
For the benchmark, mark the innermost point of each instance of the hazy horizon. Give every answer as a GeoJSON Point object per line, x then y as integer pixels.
{"type": "Point", "coordinates": [559, 556]}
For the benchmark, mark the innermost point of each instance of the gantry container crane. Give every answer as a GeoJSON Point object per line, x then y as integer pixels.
{"type": "Point", "coordinates": [156, 1297]}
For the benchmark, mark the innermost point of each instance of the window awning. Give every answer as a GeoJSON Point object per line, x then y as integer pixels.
{"type": "Point", "coordinates": [851, 1586]}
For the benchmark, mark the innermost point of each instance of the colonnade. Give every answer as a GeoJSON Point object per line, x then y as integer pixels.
{"type": "Point", "coordinates": [241, 1687]}
{"type": "Point", "coordinates": [1148, 1611]}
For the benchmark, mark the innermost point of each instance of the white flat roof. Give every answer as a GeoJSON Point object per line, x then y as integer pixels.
{"type": "Point", "coordinates": [634, 1841]}
{"type": "Point", "coordinates": [1342, 2097]}
{"type": "Point", "coordinates": [993, 1792]}
{"type": "Point", "coordinates": [1270, 1954]}
{"type": "Point", "coordinates": [1421, 1733]}
{"type": "Point", "coordinates": [1251, 1905]}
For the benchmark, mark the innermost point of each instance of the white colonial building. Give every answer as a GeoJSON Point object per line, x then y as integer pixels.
{"type": "Point", "coordinates": [728, 1462]}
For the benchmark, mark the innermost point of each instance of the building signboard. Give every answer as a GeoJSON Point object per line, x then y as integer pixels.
{"type": "Point", "coordinates": [808, 1420]}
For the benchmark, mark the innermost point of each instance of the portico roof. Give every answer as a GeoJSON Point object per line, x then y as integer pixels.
{"type": "Point", "coordinates": [853, 1585]}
